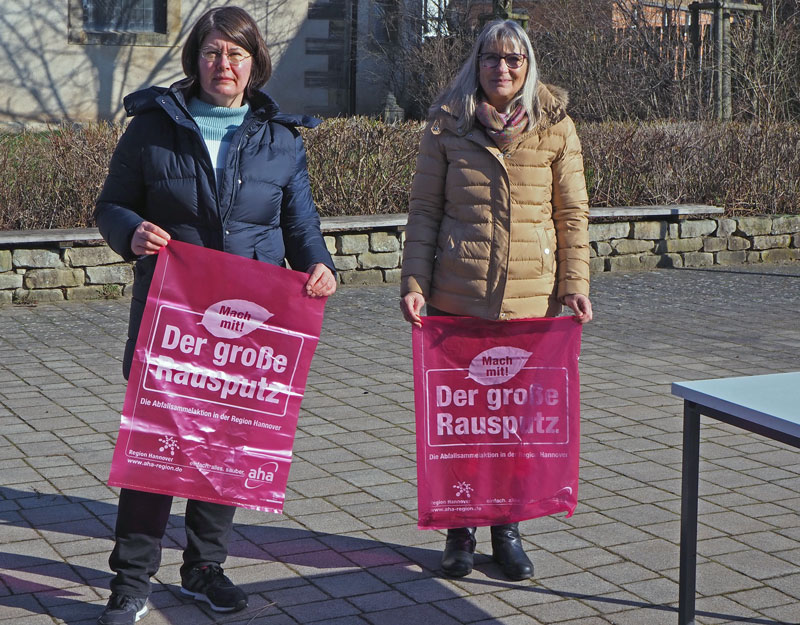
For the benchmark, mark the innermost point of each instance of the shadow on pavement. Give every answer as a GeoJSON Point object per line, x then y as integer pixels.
{"type": "Point", "coordinates": [346, 568]}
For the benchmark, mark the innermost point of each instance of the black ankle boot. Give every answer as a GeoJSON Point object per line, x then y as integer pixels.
{"type": "Point", "coordinates": [507, 551]}
{"type": "Point", "coordinates": [458, 550]}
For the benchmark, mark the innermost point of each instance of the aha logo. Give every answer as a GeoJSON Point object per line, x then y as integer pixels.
{"type": "Point", "coordinates": [264, 474]}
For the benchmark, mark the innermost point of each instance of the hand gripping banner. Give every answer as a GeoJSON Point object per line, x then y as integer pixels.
{"type": "Point", "coordinates": [497, 414]}
{"type": "Point", "coordinates": [219, 372]}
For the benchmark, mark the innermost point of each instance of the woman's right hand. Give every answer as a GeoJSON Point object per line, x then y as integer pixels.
{"type": "Point", "coordinates": [411, 304]}
{"type": "Point", "coordinates": [148, 238]}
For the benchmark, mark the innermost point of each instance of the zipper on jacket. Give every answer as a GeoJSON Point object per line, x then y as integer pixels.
{"type": "Point", "coordinates": [500, 157]}
{"type": "Point", "coordinates": [211, 175]}
{"type": "Point", "coordinates": [237, 170]}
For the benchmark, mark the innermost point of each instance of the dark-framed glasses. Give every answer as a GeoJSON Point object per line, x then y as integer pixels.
{"type": "Point", "coordinates": [513, 60]}
{"type": "Point", "coordinates": [212, 55]}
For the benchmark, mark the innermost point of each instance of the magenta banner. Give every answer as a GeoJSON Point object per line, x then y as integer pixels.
{"type": "Point", "coordinates": [497, 414]}
{"type": "Point", "coordinates": [219, 372]}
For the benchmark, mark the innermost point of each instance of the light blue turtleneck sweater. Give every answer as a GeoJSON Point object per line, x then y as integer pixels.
{"type": "Point", "coordinates": [217, 125]}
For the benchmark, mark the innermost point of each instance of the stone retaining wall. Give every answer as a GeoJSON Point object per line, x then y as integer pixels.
{"type": "Point", "coordinates": [48, 274]}
{"type": "Point", "coordinates": [369, 255]}
{"type": "Point", "coordinates": [628, 246]}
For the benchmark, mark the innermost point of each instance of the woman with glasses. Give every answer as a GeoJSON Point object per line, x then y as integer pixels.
{"type": "Point", "coordinates": [209, 161]}
{"type": "Point", "coordinates": [498, 218]}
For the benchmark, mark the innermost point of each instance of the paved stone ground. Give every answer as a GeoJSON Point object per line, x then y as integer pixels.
{"type": "Point", "coordinates": [347, 550]}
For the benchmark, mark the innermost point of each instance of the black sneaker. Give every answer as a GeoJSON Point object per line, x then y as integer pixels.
{"type": "Point", "coordinates": [207, 583]}
{"type": "Point", "coordinates": [123, 610]}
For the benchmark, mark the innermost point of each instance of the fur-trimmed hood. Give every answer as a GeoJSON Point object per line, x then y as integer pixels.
{"type": "Point", "coordinates": [553, 102]}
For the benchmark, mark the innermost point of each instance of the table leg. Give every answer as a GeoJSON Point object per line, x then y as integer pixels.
{"type": "Point", "coordinates": [688, 561]}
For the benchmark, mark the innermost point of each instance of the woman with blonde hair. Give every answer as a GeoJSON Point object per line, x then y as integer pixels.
{"type": "Point", "coordinates": [498, 218]}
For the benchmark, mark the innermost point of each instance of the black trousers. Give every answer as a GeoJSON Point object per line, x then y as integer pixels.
{"type": "Point", "coordinates": [430, 311]}
{"type": "Point", "coordinates": [141, 523]}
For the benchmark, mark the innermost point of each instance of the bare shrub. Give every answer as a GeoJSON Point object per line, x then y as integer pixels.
{"type": "Point", "coordinates": [425, 51]}
{"type": "Point", "coordinates": [640, 71]}
{"type": "Point", "coordinates": [766, 80]}
{"type": "Point", "coordinates": [433, 65]}
{"type": "Point", "coordinates": [746, 168]}
{"type": "Point", "coordinates": [51, 179]}
{"type": "Point", "coordinates": [361, 166]}
{"type": "Point", "coordinates": [647, 70]}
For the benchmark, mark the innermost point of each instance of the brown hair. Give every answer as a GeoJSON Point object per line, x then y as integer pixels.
{"type": "Point", "coordinates": [237, 25]}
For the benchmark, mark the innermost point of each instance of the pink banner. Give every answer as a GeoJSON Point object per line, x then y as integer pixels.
{"type": "Point", "coordinates": [497, 413]}
{"type": "Point", "coordinates": [219, 372]}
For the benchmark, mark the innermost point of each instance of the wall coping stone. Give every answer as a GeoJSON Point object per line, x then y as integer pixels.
{"type": "Point", "coordinates": [678, 210]}
{"type": "Point", "coordinates": [64, 237]}
{"type": "Point", "coordinates": [363, 222]}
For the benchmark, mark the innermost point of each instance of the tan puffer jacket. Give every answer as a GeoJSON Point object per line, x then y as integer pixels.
{"type": "Point", "coordinates": [499, 235]}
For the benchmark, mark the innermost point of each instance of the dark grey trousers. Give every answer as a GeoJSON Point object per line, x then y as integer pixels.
{"type": "Point", "coordinates": [141, 523]}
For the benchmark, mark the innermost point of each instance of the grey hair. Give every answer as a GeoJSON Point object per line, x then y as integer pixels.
{"type": "Point", "coordinates": [460, 97]}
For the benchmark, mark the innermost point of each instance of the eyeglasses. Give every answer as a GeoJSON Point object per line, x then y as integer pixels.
{"type": "Point", "coordinates": [234, 58]}
{"type": "Point", "coordinates": [513, 61]}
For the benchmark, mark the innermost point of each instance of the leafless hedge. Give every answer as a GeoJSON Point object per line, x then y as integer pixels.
{"type": "Point", "coordinates": [746, 168]}
{"type": "Point", "coordinates": [51, 179]}
{"type": "Point", "coordinates": [360, 166]}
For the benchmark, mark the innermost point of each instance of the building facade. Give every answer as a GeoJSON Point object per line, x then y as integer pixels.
{"type": "Point", "coordinates": [74, 60]}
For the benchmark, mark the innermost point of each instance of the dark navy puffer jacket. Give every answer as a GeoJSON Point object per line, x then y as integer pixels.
{"type": "Point", "coordinates": [161, 172]}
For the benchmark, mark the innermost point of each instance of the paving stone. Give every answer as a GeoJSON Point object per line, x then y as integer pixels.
{"type": "Point", "coordinates": [715, 579]}
{"type": "Point", "coordinates": [344, 620]}
{"type": "Point", "coordinates": [783, 613]}
{"type": "Point", "coordinates": [323, 486]}
{"type": "Point", "coordinates": [757, 565]}
{"type": "Point", "coordinates": [395, 573]}
{"type": "Point", "coordinates": [297, 595]}
{"type": "Point", "coordinates": [562, 611]}
{"type": "Point", "coordinates": [654, 591]}
{"type": "Point", "coordinates": [583, 583]}
{"type": "Point", "coordinates": [611, 534]}
{"type": "Point", "coordinates": [411, 614]}
{"type": "Point", "coordinates": [649, 615]}
{"type": "Point", "coordinates": [477, 608]}
{"type": "Point", "coordinates": [350, 584]}
{"type": "Point", "coordinates": [769, 542]}
{"type": "Point", "coordinates": [321, 610]}
{"type": "Point", "coordinates": [653, 554]}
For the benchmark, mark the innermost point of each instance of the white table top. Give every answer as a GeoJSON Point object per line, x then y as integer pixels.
{"type": "Point", "coordinates": [769, 400]}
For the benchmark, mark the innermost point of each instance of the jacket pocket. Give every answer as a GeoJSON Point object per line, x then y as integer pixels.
{"type": "Point", "coordinates": [446, 247]}
{"type": "Point", "coordinates": [547, 245]}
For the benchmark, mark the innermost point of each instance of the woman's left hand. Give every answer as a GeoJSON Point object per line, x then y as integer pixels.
{"type": "Point", "coordinates": [581, 306]}
{"type": "Point", "coordinates": [321, 282]}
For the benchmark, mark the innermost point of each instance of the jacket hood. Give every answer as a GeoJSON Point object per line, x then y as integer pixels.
{"type": "Point", "coordinates": [165, 98]}
{"type": "Point", "coordinates": [553, 101]}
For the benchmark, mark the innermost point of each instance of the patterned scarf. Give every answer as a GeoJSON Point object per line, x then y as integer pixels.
{"type": "Point", "coordinates": [503, 128]}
